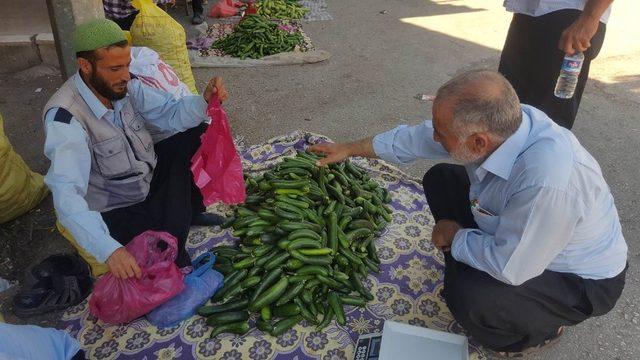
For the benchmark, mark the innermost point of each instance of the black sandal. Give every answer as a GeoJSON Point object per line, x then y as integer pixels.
{"type": "Point", "coordinates": [61, 264]}
{"type": "Point", "coordinates": [62, 281]}
{"type": "Point", "coordinates": [52, 293]}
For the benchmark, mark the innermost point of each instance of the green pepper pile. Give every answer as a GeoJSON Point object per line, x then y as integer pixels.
{"type": "Point", "coordinates": [255, 37]}
{"type": "Point", "coordinates": [306, 245]}
{"type": "Point", "coordinates": [281, 9]}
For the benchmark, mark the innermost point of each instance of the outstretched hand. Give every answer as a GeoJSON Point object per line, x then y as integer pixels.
{"type": "Point", "coordinates": [334, 152]}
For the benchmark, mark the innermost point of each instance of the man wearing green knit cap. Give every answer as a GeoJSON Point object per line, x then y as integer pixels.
{"type": "Point", "coordinates": [120, 153]}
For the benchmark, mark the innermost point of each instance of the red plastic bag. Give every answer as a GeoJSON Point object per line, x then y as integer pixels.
{"type": "Point", "coordinates": [224, 8]}
{"type": "Point", "coordinates": [216, 166]}
{"type": "Point", "coordinates": [118, 301]}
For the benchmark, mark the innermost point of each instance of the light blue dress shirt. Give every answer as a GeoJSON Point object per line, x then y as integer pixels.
{"type": "Point", "coordinates": [67, 146]}
{"type": "Point", "coordinates": [549, 203]}
{"type": "Point", "coordinates": [30, 342]}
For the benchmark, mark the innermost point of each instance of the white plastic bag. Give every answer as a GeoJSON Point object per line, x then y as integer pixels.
{"type": "Point", "coordinates": [152, 71]}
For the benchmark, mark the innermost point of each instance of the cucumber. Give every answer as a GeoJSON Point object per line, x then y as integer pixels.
{"type": "Point", "coordinates": [250, 282]}
{"type": "Point", "coordinates": [286, 310]}
{"type": "Point", "coordinates": [312, 260]}
{"type": "Point", "coordinates": [265, 313]}
{"type": "Point", "coordinates": [314, 270]}
{"type": "Point", "coordinates": [303, 243]}
{"type": "Point", "coordinates": [276, 261]}
{"type": "Point", "coordinates": [267, 281]}
{"type": "Point", "coordinates": [303, 233]}
{"type": "Point", "coordinates": [362, 224]}
{"type": "Point", "coordinates": [264, 326]}
{"type": "Point", "coordinates": [227, 318]}
{"type": "Point", "coordinates": [293, 291]}
{"type": "Point", "coordinates": [239, 328]}
{"type": "Point", "coordinates": [270, 295]}
{"type": "Point", "coordinates": [314, 252]}
{"type": "Point", "coordinates": [353, 300]}
{"type": "Point", "coordinates": [283, 325]}
{"type": "Point", "coordinates": [336, 306]}
{"type": "Point", "coordinates": [230, 306]}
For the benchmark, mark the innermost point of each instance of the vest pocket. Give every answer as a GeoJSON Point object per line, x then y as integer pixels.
{"type": "Point", "coordinates": [137, 124]}
{"type": "Point", "coordinates": [112, 158]}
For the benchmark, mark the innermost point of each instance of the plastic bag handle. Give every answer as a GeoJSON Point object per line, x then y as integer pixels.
{"type": "Point", "coordinates": [203, 267]}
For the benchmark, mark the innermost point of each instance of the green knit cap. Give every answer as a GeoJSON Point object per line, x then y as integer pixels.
{"type": "Point", "coordinates": [96, 34]}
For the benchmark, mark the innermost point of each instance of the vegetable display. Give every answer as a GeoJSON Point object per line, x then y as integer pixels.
{"type": "Point", "coordinates": [255, 37]}
{"type": "Point", "coordinates": [306, 245]}
{"type": "Point", "coordinates": [281, 9]}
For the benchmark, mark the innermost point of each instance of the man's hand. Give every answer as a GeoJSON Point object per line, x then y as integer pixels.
{"type": "Point", "coordinates": [339, 152]}
{"type": "Point", "coordinates": [334, 152]}
{"type": "Point", "coordinates": [577, 37]}
{"type": "Point", "coordinates": [123, 265]}
{"type": "Point", "coordinates": [216, 86]}
{"type": "Point", "coordinates": [443, 234]}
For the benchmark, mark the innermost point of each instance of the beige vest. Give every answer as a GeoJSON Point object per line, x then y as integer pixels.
{"type": "Point", "coordinates": [122, 160]}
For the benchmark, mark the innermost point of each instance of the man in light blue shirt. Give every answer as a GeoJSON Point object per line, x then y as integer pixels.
{"type": "Point", "coordinates": [120, 153]}
{"type": "Point", "coordinates": [529, 228]}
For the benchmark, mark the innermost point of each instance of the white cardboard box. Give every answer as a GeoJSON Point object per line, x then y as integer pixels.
{"type": "Point", "coordinates": [407, 342]}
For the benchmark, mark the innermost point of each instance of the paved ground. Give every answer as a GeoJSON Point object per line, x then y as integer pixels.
{"type": "Point", "coordinates": [380, 61]}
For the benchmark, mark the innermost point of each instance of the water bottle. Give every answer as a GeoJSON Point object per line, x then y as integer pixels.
{"type": "Point", "coordinates": [568, 78]}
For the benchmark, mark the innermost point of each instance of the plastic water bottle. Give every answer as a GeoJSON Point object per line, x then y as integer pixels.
{"type": "Point", "coordinates": [568, 78]}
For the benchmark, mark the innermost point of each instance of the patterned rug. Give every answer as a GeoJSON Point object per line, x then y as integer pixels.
{"type": "Point", "coordinates": [406, 290]}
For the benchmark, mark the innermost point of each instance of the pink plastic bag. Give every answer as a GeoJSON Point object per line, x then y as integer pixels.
{"type": "Point", "coordinates": [118, 301]}
{"type": "Point", "coordinates": [224, 8]}
{"type": "Point", "coordinates": [216, 166]}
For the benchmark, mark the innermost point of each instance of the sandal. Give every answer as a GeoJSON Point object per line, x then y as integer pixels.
{"type": "Point", "coordinates": [61, 264]}
{"type": "Point", "coordinates": [545, 344]}
{"type": "Point", "coordinates": [52, 293]}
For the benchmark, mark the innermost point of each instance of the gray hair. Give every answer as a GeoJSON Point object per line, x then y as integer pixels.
{"type": "Point", "coordinates": [482, 100]}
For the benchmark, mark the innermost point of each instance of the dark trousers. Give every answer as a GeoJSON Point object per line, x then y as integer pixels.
{"type": "Point", "coordinates": [197, 6]}
{"type": "Point", "coordinates": [500, 316]}
{"type": "Point", "coordinates": [125, 23]}
{"type": "Point", "coordinates": [172, 199]}
{"type": "Point", "coordinates": [531, 62]}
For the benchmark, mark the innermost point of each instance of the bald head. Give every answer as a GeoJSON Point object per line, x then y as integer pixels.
{"type": "Point", "coordinates": [481, 100]}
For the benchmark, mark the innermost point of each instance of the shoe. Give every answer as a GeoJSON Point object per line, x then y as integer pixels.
{"type": "Point", "coordinates": [197, 19]}
{"type": "Point", "coordinates": [207, 219]}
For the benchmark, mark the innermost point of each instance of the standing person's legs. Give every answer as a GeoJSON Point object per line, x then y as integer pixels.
{"type": "Point", "coordinates": [531, 61]}
{"type": "Point", "coordinates": [198, 12]}
{"type": "Point", "coordinates": [548, 30]}
{"type": "Point", "coordinates": [197, 6]}
{"type": "Point", "coordinates": [516, 59]}
{"type": "Point", "coordinates": [126, 22]}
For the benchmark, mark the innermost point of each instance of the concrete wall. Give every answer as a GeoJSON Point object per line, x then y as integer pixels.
{"type": "Point", "coordinates": [25, 35]}
{"type": "Point", "coordinates": [24, 17]}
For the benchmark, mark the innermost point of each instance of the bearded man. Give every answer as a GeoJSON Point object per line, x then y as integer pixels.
{"type": "Point", "coordinates": [529, 229]}
{"type": "Point", "coordinates": [120, 153]}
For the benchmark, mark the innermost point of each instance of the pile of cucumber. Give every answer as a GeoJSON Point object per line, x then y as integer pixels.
{"type": "Point", "coordinates": [306, 244]}
{"type": "Point", "coordinates": [281, 9]}
{"type": "Point", "coordinates": [257, 36]}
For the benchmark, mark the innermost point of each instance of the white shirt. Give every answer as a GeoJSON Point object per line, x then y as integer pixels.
{"type": "Point", "coordinates": [547, 205]}
{"type": "Point", "coordinates": [542, 7]}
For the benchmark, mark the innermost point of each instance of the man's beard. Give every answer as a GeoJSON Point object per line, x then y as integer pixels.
{"type": "Point", "coordinates": [103, 88]}
{"type": "Point", "coordinates": [464, 155]}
